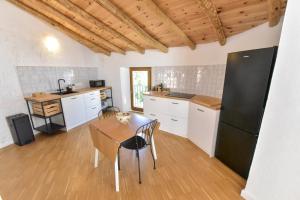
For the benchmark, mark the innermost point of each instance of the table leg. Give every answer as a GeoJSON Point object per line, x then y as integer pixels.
{"type": "Point", "coordinates": [96, 158]}
{"type": "Point", "coordinates": [117, 174]}
{"type": "Point", "coordinates": [153, 147]}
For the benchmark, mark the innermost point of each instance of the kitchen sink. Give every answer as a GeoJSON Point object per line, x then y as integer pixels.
{"type": "Point", "coordinates": [64, 92]}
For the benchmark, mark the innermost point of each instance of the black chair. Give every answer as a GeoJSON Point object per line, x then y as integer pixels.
{"type": "Point", "coordinates": [108, 112]}
{"type": "Point", "coordinates": [141, 140]}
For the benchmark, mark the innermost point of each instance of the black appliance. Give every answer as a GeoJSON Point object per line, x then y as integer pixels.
{"type": "Point", "coordinates": [20, 128]}
{"type": "Point", "coordinates": [97, 83]}
{"type": "Point", "coordinates": [180, 95]}
{"type": "Point", "coordinates": [246, 87]}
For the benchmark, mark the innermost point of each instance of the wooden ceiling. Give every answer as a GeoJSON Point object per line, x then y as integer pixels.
{"type": "Point", "coordinates": [107, 26]}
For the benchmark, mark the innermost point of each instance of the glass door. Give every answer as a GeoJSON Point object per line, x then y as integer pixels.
{"type": "Point", "coordinates": [140, 82]}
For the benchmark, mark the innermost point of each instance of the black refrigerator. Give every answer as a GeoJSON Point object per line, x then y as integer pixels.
{"type": "Point", "coordinates": [247, 80]}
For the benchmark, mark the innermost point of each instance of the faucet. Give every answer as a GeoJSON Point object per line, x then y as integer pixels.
{"type": "Point", "coordinates": [59, 86]}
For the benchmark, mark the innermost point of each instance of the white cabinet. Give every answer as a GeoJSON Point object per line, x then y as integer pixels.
{"type": "Point", "coordinates": [202, 127]}
{"type": "Point", "coordinates": [92, 105]}
{"type": "Point", "coordinates": [174, 107]}
{"type": "Point", "coordinates": [74, 111]}
{"type": "Point", "coordinates": [79, 109]}
{"type": "Point", "coordinates": [153, 105]}
{"type": "Point", "coordinates": [175, 125]}
{"type": "Point", "coordinates": [171, 113]}
{"type": "Point", "coordinates": [186, 119]}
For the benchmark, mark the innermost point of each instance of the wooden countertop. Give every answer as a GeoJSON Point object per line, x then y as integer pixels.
{"type": "Point", "coordinates": [43, 98]}
{"type": "Point", "coordinates": [209, 102]}
{"type": "Point", "coordinates": [50, 97]}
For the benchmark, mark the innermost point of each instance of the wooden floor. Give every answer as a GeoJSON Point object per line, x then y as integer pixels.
{"type": "Point", "coordinates": [61, 167]}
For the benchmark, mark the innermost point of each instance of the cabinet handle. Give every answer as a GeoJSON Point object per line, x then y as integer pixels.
{"type": "Point", "coordinates": [74, 98]}
{"type": "Point", "coordinates": [200, 110]}
{"type": "Point", "coordinates": [153, 115]}
{"type": "Point", "coordinates": [93, 99]}
{"type": "Point", "coordinates": [175, 103]}
{"type": "Point", "coordinates": [153, 99]}
{"type": "Point", "coordinates": [174, 120]}
{"type": "Point", "coordinates": [94, 108]}
{"type": "Point", "coordinates": [92, 94]}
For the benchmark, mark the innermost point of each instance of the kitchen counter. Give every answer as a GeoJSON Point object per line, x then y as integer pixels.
{"type": "Point", "coordinates": [49, 97]}
{"type": "Point", "coordinates": [85, 90]}
{"type": "Point", "coordinates": [209, 102]}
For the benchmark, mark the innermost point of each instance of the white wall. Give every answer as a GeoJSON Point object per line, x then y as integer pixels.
{"type": "Point", "coordinates": [206, 54]}
{"type": "Point", "coordinates": [275, 169]}
{"type": "Point", "coordinates": [21, 44]}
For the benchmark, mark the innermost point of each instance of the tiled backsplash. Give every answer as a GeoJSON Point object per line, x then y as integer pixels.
{"type": "Point", "coordinates": [206, 80]}
{"type": "Point", "coordinates": [36, 79]}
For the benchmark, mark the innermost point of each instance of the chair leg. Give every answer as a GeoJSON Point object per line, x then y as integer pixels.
{"type": "Point", "coordinates": [154, 166]}
{"type": "Point", "coordinates": [96, 158]}
{"type": "Point", "coordinates": [153, 148]}
{"type": "Point", "coordinates": [119, 158]}
{"type": "Point", "coordinates": [138, 157]}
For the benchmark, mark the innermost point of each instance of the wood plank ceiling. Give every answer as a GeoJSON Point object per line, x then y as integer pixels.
{"type": "Point", "coordinates": [107, 26]}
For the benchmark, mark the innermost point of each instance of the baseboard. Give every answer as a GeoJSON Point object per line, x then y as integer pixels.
{"type": "Point", "coordinates": [5, 144]}
{"type": "Point", "coordinates": [246, 195]}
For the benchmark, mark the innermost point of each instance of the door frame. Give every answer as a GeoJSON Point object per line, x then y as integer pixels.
{"type": "Point", "coordinates": [131, 69]}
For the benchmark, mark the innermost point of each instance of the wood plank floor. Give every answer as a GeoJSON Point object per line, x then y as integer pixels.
{"type": "Point", "coordinates": [61, 167]}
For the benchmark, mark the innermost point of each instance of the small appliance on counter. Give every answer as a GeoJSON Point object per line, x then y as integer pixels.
{"type": "Point", "coordinates": [21, 129]}
{"type": "Point", "coordinates": [97, 83]}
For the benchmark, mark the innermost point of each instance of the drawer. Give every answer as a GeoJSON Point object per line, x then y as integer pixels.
{"type": "Point", "coordinates": [176, 108]}
{"type": "Point", "coordinates": [174, 125]}
{"type": "Point", "coordinates": [92, 95]}
{"type": "Point", "coordinates": [72, 98]}
{"type": "Point", "coordinates": [153, 104]}
{"type": "Point", "coordinates": [153, 116]}
{"type": "Point", "coordinates": [92, 112]}
{"type": "Point", "coordinates": [92, 100]}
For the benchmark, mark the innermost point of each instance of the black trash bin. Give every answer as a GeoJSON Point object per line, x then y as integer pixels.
{"type": "Point", "coordinates": [21, 129]}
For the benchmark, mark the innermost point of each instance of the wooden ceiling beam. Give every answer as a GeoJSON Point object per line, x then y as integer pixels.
{"type": "Point", "coordinates": [55, 14]}
{"type": "Point", "coordinates": [94, 47]}
{"type": "Point", "coordinates": [95, 25]}
{"type": "Point", "coordinates": [121, 15]}
{"type": "Point", "coordinates": [70, 24]}
{"type": "Point", "coordinates": [274, 12]}
{"type": "Point", "coordinates": [161, 16]}
{"type": "Point", "coordinates": [213, 16]}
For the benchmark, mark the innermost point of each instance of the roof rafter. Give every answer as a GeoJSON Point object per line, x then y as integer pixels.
{"type": "Point", "coordinates": [212, 13]}
{"type": "Point", "coordinates": [70, 24]}
{"type": "Point", "coordinates": [90, 22]}
{"type": "Point", "coordinates": [94, 47]}
{"type": "Point", "coordinates": [149, 4]}
{"type": "Point", "coordinates": [121, 15]}
{"type": "Point", "coordinates": [274, 12]}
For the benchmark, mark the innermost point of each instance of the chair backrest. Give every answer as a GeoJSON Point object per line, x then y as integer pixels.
{"type": "Point", "coordinates": [110, 111]}
{"type": "Point", "coordinates": [146, 131]}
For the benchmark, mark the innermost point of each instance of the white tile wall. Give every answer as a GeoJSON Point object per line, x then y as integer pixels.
{"type": "Point", "coordinates": [206, 80]}
{"type": "Point", "coordinates": [36, 79]}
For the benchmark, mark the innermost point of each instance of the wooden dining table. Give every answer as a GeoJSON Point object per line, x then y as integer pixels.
{"type": "Point", "coordinates": [108, 133]}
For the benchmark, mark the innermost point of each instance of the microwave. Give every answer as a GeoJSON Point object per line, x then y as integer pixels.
{"type": "Point", "coordinates": [97, 83]}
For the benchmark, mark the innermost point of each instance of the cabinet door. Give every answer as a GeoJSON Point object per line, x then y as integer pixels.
{"type": "Point", "coordinates": [74, 111]}
{"type": "Point", "coordinates": [203, 127]}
